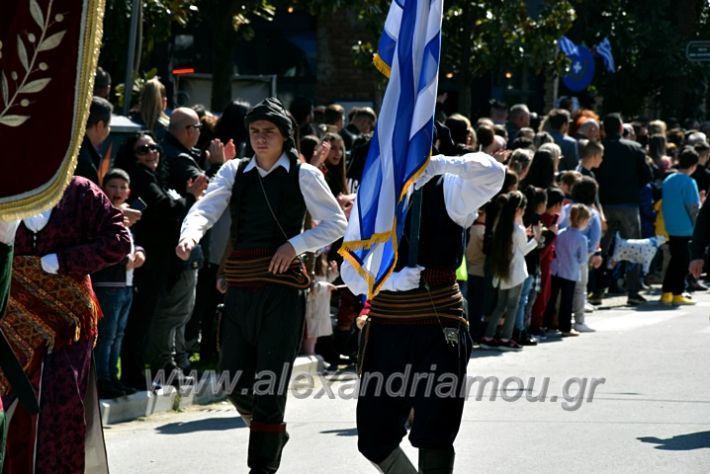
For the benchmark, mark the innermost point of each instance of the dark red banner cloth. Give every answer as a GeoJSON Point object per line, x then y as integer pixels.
{"type": "Point", "coordinates": [48, 53]}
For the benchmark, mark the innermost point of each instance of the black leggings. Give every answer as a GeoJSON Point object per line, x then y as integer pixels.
{"type": "Point", "coordinates": [674, 279]}
{"type": "Point", "coordinates": [564, 288]}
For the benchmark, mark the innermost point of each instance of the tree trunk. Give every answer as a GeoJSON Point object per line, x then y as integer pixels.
{"type": "Point", "coordinates": [680, 95]}
{"type": "Point", "coordinates": [223, 41]}
{"type": "Point", "coordinates": [466, 73]}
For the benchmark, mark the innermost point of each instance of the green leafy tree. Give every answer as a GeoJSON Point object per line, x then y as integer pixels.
{"type": "Point", "coordinates": [159, 21]}
{"type": "Point", "coordinates": [157, 18]}
{"type": "Point", "coordinates": [487, 36]}
{"type": "Point", "coordinates": [648, 41]}
{"type": "Point", "coordinates": [478, 36]}
{"type": "Point", "coordinates": [229, 20]}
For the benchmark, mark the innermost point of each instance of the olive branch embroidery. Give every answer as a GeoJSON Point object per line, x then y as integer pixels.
{"type": "Point", "coordinates": [28, 59]}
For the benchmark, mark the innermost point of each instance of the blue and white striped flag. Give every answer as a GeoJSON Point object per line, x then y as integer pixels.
{"type": "Point", "coordinates": [604, 50]}
{"type": "Point", "coordinates": [567, 46]}
{"type": "Point", "coordinates": [408, 53]}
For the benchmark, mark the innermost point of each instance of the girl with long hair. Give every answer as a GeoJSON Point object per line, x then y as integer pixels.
{"type": "Point", "coordinates": [509, 246]}
{"type": "Point", "coordinates": [541, 172]}
{"type": "Point", "coordinates": [334, 166]}
{"type": "Point", "coordinates": [151, 108]}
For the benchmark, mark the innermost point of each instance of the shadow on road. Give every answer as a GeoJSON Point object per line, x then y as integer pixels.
{"type": "Point", "coordinates": [346, 432]}
{"type": "Point", "coordinates": [210, 424]}
{"type": "Point", "coordinates": [684, 442]}
{"type": "Point", "coordinates": [654, 306]}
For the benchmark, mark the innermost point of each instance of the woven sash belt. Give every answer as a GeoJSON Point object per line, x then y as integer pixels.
{"type": "Point", "coordinates": [243, 272]}
{"type": "Point", "coordinates": [46, 313]}
{"type": "Point", "coordinates": [420, 306]}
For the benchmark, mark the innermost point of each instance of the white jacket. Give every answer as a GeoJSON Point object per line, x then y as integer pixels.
{"type": "Point", "coordinates": [518, 269]}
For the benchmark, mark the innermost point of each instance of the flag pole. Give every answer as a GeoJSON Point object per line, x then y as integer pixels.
{"type": "Point", "coordinates": [415, 227]}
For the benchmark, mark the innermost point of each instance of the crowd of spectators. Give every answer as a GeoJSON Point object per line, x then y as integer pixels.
{"type": "Point", "coordinates": [538, 256]}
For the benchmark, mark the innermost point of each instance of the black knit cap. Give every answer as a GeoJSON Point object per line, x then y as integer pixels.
{"type": "Point", "coordinates": [271, 109]}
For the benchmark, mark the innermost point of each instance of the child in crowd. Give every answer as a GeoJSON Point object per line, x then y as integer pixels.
{"type": "Point", "coordinates": [537, 202]}
{"type": "Point", "coordinates": [592, 155]}
{"type": "Point", "coordinates": [549, 220]}
{"type": "Point", "coordinates": [476, 262]}
{"type": "Point", "coordinates": [681, 203]}
{"type": "Point", "coordinates": [318, 321]}
{"type": "Point", "coordinates": [520, 161]}
{"type": "Point", "coordinates": [114, 290]}
{"type": "Point", "coordinates": [567, 180]}
{"type": "Point", "coordinates": [584, 192]}
{"type": "Point", "coordinates": [571, 253]}
{"type": "Point", "coordinates": [509, 246]}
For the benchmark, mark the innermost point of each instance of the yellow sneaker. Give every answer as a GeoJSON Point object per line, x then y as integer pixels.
{"type": "Point", "coordinates": [682, 300]}
{"type": "Point", "coordinates": [667, 298]}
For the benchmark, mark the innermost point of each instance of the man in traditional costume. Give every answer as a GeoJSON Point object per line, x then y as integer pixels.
{"type": "Point", "coordinates": [48, 59]}
{"type": "Point", "coordinates": [51, 325]}
{"type": "Point", "coordinates": [416, 328]}
{"type": "Point", "coordinates": [268, 196]}
{"type": "Point", "coordinates": [7, 236]}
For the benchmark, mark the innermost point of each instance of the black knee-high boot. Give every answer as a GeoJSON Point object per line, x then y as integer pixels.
{"type": "Point", "coordinates": [436, 461]}
{"type": "Point", "coordinates": [266, 442]}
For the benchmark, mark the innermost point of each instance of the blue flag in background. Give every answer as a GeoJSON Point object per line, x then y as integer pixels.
{"type": "Point", "coordinates": [604, 50]}
{"type": "Point", "coordinates": [567, 46]}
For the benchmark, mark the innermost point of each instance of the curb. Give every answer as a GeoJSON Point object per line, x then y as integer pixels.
{"type": "Point", "coordinates": [168, 398]}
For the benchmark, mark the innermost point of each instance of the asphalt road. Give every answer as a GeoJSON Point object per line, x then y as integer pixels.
{"type": "Point", "coordinates": [644, 376]}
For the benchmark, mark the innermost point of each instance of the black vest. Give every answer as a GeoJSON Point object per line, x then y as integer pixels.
{"type": "Point", "coordinates": [441, 240]}
{"type": "Point", "coordinates": [253, 225]}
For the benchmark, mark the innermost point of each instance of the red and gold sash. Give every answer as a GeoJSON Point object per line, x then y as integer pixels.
{"type": "Point", "coordinates": [46, 312]}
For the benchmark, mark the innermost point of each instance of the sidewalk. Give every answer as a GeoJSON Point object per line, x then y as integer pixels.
{"type": "Point", "coordinates": [168, 398]}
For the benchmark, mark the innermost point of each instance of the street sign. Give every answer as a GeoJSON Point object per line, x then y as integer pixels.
{"type": "Point", "coordinates": [698, 51]}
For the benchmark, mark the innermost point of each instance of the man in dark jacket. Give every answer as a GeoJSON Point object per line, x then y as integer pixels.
{"type": "Point", "coordinates": [700, 240]}
{"type": "Point", "coordinates": [97, 130]}
{"type": "Point", "coordinates": [179, 149]}
{"type": "Point", "coordinates": [559, 124]}
{"type": "Point", "coordinates": [167, 346]}
{"type": "Point", "coordinates": [621, 176]}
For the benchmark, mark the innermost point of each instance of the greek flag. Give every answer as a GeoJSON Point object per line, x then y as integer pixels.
{"type": "Point", "coordinates": [567, 46]}
{"type": "Point", "coordinates": [604, 50]}
{"type": "Point", "coordinates": [408, 53]}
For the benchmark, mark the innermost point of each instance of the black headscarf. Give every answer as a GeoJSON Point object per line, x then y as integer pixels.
{"type": "Point", "coordinates": [272, 109]}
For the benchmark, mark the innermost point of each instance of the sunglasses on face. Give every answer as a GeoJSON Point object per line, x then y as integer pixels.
{"type": "Point", "coordinates": [145, 149]}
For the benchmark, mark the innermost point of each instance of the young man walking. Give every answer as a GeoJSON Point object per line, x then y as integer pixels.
{"type": "Point", "coordinates": [416, 331]}
{"type": "Point", "coordinates": [267, 196]}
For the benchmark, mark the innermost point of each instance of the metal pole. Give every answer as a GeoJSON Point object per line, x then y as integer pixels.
{"type": "Point", "coordinates": [132, 35]}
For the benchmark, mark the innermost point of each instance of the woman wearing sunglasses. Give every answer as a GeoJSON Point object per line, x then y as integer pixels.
{"type": "Point", "coordinates": [157, 232]}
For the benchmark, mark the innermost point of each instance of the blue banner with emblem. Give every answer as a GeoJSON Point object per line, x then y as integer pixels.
{"type": "Point", "coordinates": [581, 70]}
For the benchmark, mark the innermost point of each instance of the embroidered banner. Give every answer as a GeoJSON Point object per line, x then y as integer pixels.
{"type": "Point", "coordinates": [48, 54]}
